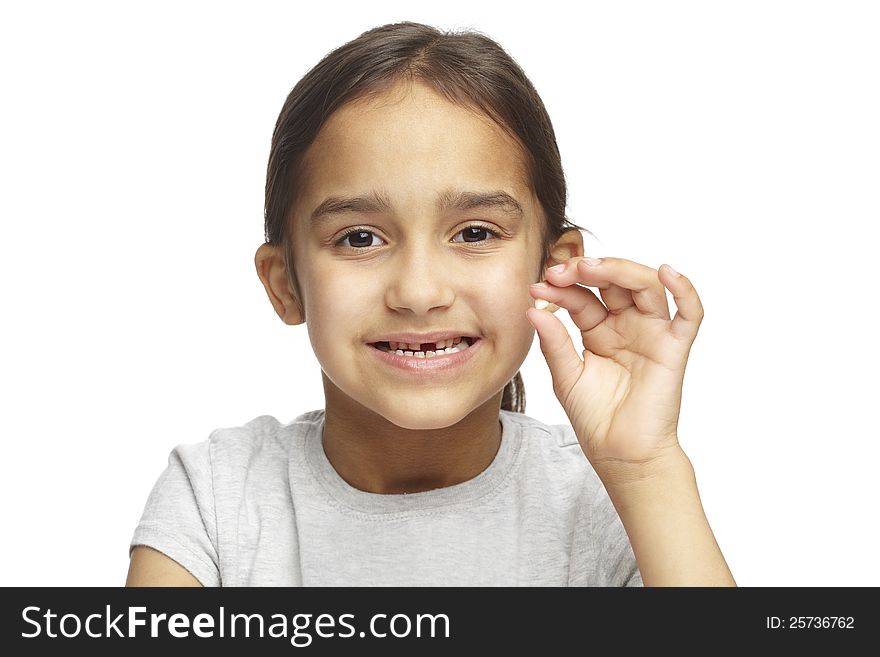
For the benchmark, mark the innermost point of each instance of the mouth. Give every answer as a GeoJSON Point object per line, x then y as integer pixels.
{"type": "Point", "coordinates": [429, 349]}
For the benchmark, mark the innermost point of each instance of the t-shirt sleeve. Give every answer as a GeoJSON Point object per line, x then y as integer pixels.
{"type": "Point", "coordinates": [616, 560]}
{"type": "Point", "coordinates": [179, 519]}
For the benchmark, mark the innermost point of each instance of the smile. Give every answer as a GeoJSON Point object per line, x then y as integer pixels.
{"type": "Point", "coordinates": [425, 361]}
{"type": "Point", "coordinates": [427, 350]}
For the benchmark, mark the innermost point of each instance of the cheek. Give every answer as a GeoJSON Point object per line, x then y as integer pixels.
{"type": "Point", "coordinates": [505, 296]}
{"type": "Point", "coordinates": [336, 307]}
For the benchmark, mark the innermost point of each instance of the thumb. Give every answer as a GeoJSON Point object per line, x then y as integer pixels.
{"type": "Point", "coordinates": [559, 352]}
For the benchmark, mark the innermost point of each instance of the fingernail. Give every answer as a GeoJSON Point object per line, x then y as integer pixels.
{"type": "Point", "coordinates": [672, 271]}
{"type": "Point", "coordinates": [558, 268]}
{"type": "Point", "coordinates": [540, 286]}
{"type": "Point", "coordinates": [593, 261]}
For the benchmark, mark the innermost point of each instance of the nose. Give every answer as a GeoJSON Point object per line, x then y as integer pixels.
{"type": "Point", "coordinates": [420, 284]}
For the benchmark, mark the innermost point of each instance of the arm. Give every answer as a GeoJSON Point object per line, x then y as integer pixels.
{"type": "Point", "coordinates": [624, 399]}
{"type": "Point", "coordinates": [149, 567]}
{"type": "Point", "coordinates": [174, 541]}
{"type": "Point", "coordinates": [661, 511]}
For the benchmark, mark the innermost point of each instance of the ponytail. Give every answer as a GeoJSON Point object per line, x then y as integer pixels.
{"type": "Point", "coordinates": [514, 396]}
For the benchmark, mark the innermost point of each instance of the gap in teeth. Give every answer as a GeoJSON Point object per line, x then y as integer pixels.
{"type": "Point", "coordinates": [450, 347]}
{"type": "Point", "coordinates": [438, 346]}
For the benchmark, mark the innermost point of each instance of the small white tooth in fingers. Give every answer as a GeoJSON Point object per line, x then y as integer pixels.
{"type": "Point", "coordinates": [542, 304]}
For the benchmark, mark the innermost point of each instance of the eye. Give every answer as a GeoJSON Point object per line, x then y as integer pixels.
{"type": "Point", "coordinates": [473, 233]}
{"type": "Point", "coordinates": [358, 238]}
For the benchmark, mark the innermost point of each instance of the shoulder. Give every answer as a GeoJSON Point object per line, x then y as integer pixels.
{"type": "Point", "coordinates": [553, 437]}
{"type": "Point", "coordinates": [261, 441]}
{"type": "Point", "coordinates": [265, 435]}
{"type": "Point", "coordinates": [561, 473]}
{"type": "Point", "coordinates": [552, 454]}
{"type": "Point", "coordinates": [557, 442]}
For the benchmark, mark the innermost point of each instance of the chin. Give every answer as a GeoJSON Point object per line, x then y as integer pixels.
{"type": "Point", "coordinates": [416, 418]}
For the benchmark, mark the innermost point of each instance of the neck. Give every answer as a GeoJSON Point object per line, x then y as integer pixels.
{"type": "Point", "coordinates": [374, 455]}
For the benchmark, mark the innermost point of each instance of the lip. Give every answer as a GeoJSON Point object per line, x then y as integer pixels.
{"type": "Point", "coordinates": [427, 367]}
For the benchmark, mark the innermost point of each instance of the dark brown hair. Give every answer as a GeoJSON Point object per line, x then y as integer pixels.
{"type": "Point", "coordinates": [466, 67]}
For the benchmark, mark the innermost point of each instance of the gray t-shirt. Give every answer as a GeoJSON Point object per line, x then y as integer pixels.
{"type": "Point", "coordinates": [260, 505]}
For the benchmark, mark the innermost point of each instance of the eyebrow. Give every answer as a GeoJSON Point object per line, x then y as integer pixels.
{"type": "Point", "coordinates": [375, 202]}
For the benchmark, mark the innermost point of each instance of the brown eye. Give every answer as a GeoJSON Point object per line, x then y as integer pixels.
{"type": "Point", "coordinates": [357, 239]}
{"type": "Point", "coordinates": [476, 233]}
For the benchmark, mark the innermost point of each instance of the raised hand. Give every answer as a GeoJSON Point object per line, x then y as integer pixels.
{"type": "Point", "coordinates": [623, 396]}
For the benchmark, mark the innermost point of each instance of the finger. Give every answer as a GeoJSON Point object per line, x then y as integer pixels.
{"type": "Point", "coordinates": [690, 312]}
{"type": "Point", "coordinates": [622, 284]}
{"type": "Point", "coordinates": [559, 352]}
{"type": "Point", "coordinates": [586, 311]}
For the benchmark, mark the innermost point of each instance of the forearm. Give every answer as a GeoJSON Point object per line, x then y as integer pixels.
{"type": "Point", "coordinates": [663, 516]}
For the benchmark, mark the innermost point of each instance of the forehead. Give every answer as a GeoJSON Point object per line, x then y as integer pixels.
{"type": "Point", "coordinates": [411, 142]}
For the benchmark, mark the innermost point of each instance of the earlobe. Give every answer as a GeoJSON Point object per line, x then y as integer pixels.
{"type": "Point", "coordinates": [269, 262]}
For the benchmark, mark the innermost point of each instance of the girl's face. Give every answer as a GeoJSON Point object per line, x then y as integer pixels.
{"type": "Point", "coordinates": [424, 262]}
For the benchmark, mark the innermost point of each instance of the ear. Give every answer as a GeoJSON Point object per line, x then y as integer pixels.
{"type": "Point", "coordinates": [270, 268]}
{"type": "Point", "coordinates": [569, 245]}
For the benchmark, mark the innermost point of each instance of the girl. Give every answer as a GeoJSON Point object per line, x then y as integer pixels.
{"type": "Point", "coordinates": [414, 212]}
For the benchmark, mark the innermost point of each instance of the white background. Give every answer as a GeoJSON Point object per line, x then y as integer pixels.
{"type": "Point", "coordinates": [736, 141]}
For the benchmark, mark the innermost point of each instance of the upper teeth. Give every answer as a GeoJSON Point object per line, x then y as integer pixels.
{"type": "Point", "coordinates": [406, 346]}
